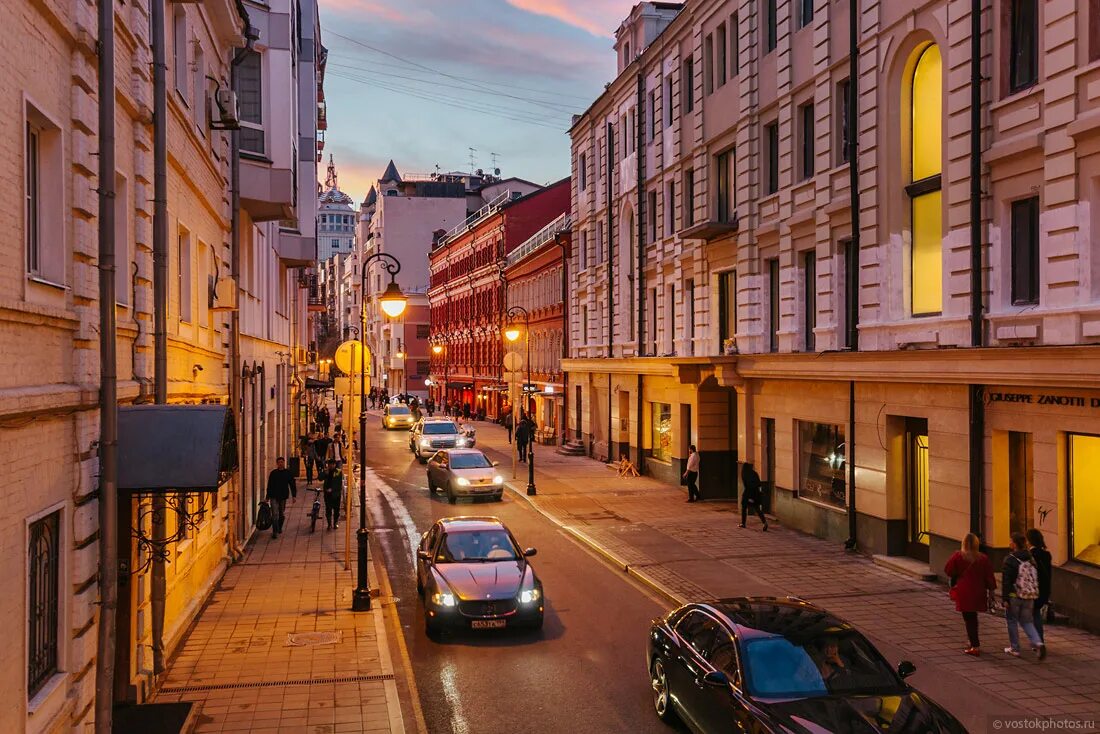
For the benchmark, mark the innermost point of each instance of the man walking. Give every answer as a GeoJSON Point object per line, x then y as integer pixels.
{"type": "Point", "coordinates": [310, 457]}
{"type": "Point", "coordinates": [280, 487]}
{"type": "Point", "coordinates": [333, 493]}
{"type": "Point", "coordinates": [1019, 590]}
{"type": "Point", "coordinates": [523, 437]}
{"type": "Point", "coordinates": [692, 473]}
{"type": "Point", "coordinates": [320, 453]}
{"type": "Point", "coordinates": [751, 497]}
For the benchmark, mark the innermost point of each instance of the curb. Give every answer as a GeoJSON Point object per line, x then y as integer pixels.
{"type": "Point", "coordinates": [606, 555]}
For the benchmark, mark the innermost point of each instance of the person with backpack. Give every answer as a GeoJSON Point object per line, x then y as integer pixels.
{"type": "Point", "coordinates": [1019, 590]}
{"type": "Point", "coordinates": [751, 496]}
{"type": "Point", "coordinates": [1041, 556]}
{"type": "Point", "coordinates": [972, 587]}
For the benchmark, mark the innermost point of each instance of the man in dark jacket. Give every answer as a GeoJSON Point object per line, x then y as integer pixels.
{"type": "Point", "coordinates": [1019, 612]}
{"type": "Point", "coordinates": [333, 493]}
{"type": "Point", "coordinates": [523, 437]}
{"type": "Point", "coordinates": [320, 453]}
{"type": "Point", "coordinates": [280, 488]}
{"type": "Point", "coordinates": [751, 496]}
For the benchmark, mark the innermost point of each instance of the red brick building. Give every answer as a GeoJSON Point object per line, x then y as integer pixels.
{"type": "Point", "coordinates": [466, 294]}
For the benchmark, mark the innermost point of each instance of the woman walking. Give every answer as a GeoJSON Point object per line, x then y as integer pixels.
{"type": "Point", "coordinates": [972, 586]}
{"type": "Point", "coordinates": [1041, 556]}
{"type": "Point", "coordinates": [751, 496]}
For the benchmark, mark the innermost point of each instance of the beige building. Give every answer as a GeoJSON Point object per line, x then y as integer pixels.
{"type": "Point", "coordinates": [898, 385]}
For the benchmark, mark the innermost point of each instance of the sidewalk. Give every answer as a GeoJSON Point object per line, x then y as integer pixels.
{"type": "Point", "coordinates": [278, 649]}
{"type": "Point", "coordinates": [696, 551]}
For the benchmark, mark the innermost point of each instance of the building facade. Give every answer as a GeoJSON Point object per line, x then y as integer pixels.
{"type": "Point", "coordinates": [467, 294]}
{"type": "Point", "coordinates": [336, 218]}
{"type": "Point", "coordinates": [904, 365]}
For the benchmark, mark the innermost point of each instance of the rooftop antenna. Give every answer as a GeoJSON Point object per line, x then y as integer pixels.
{"type": "Point", "coordinates": [473, 159]}
{"type": "Point", "coordinates": [496, 167]}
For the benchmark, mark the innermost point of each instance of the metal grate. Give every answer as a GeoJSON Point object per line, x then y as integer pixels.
{"type": "Point", "coordinates": [278, 683]}
{"type": "Point", "coordinates": [44, 601]}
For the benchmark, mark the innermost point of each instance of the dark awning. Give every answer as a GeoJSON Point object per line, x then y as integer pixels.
{"type": "Point", "coordinates": [314, 384]}
{"type": "Point", "coordinates": [175, 447]}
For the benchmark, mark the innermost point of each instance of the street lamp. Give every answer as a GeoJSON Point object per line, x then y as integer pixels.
{"type": "Point", "coordinates": [511, 333]}
{"type": "Point", "coordinates": [439, 348]}
{"type": "Point", "coordinates": [393, 303]}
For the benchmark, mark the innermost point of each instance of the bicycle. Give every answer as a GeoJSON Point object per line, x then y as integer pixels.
{"type": "Point", "coordinates": [315, 511]}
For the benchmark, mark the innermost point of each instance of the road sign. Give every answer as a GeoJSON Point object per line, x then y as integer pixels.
{"type": "Point", "coordinates": [513, 362]}
{"type": "Point", "coordinates": [349, 357]}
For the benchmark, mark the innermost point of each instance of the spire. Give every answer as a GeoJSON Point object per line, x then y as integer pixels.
{"type": "Point", "coordinates": [391, 174]}
{"type": "Point", "coordinates": [372, 196]}
{"type": "Point", "coordinates": [330, 179]}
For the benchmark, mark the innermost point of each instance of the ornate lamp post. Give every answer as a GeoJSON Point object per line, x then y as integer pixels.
{"type": "Point", "coordinates": [511, 333]}
{"type": "Point", "coordinates": [437, 349]}
{"type": "Point", "coordinates": [393, 303]}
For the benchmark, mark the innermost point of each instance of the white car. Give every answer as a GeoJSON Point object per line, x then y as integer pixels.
{"type": "Point", "coordinates": [464, 473]}
{"type": "Point", "coordinates": [432, 434]}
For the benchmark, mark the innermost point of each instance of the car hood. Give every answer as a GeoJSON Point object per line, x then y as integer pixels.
{"type": "Point", "coordinates": [904, 713]}
{"type": "Point", "coordinates": [469, 581]}
{"type": "Point", "coordinates": [487, 473]}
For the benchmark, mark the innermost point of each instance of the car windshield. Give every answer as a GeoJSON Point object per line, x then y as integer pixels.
{"type": "Point", "coordinates": [843, 663]}
{"type": "Point", "coordinates": [398, 410]}
{"type": "Point", "coordinates": [470, 461]}
{"type": "Point", "coordinates": [441, 427]}
{"type": "Point", "coordinates": [477, 546]}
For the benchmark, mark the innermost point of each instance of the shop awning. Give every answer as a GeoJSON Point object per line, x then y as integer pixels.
{"type": "Point", "coordinates": [175, 448]}
{"type": "Point", "coordinates": [314, 384]}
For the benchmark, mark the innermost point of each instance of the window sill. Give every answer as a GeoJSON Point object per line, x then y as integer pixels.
{"type": "Point", "coordinates": [257, 157]}
{"type": "Point", "coordinates": [40, 699]}
{"type": "Point", "coordinates": [48, 283]}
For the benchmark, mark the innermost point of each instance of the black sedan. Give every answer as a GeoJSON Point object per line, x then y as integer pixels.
{"type": "Point", "coordinates": [780, 665]}
{"type": "Point", "coordinates": [472, 575]}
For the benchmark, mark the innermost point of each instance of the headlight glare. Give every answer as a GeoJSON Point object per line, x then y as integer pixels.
{"type": "Point", "coordinates": [444, 599]}
{"type": "Point", "coordinates": [498, 479]}
{"type": "Point", "coordinates": [463, 482]}
{"type": "Point", "coordinates": [529, 596]}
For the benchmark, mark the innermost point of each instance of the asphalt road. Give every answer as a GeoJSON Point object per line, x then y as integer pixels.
{"type": "Point", "coordinates": [584, 672]}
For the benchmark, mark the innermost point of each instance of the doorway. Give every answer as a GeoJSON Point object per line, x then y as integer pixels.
{"type": "Point", "coordinates": [1020, 489]}
{"type": "Point", "coordinates": [917, 487]}
{"type": "Point", "coordinates": [578, 413]}
{"type": "Point", "coordinates": [769, 461]}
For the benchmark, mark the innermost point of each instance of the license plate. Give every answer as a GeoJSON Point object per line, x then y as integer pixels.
{"type": "Point", "coordinates": [488, 624]}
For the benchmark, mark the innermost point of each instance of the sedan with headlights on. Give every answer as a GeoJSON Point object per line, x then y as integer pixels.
{"type": "Point", "coordinates": [464, 473]}
{"type": "Point", "coordinates": [397, 416]}
{"type": "Point", "coordinates": [472, 575]}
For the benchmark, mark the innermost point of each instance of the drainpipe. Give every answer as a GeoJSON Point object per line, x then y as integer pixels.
{"type": "Point", "coordinates": [611, 247]}
{"type": "Point", "coordinates": [975, 398]}
{"type": "Point", "coordinates": [639, 266]}
{"type": "Point", "coordinates": [853, 255]}
{"type": "Point", "coordinates": [108, 392]}
{"type": "Point", "coordinates": [158, 582]}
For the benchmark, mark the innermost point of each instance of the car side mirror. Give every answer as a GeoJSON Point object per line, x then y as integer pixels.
{"type": "Point", "coordinates": [530, 552]}
{"type": "Point", "coordinates": [717, 679]}
{"type": "Point", "coordinates": [424, 555]}
{"type": "Point", "coordinates": [906, 669]}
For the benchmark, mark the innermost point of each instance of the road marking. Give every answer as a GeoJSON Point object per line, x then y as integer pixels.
{"type": "Point", "coordinates": [459, 725]}
{"type": "Point", "coordinates": [400, 512]}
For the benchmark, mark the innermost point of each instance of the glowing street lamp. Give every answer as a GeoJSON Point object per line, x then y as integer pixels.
{"type": "Point", "coordinates": [511, 333]}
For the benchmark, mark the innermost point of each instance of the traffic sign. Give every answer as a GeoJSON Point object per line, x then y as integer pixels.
{"type": "Point", "coordinates": [513, 362]}
{"type": "Point", "coordinates": [349, 357]}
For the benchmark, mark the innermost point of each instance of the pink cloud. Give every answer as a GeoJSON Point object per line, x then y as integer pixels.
{"type": "Point", "coordinates": [598, 17]}
{"type": "Point", "coordinates": [374, 9]}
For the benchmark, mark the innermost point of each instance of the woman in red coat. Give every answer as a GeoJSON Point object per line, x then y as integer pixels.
{"type": "Point", "coordinates": [972, 585]}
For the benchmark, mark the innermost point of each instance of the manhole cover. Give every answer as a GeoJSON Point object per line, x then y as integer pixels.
{"type": "Point", "coordinates": [313, 639]}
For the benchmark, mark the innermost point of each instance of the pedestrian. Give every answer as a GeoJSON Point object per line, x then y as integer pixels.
{"type": "Point", "coordinates": [523, 437]}
{"type": "Point", "coordinates": [339, 445]}
{"type": "Point", "coordinates": [751, 496]}
{"type": "Point", "coordinates": [280, 488]}
{"type": "Point", "coordinates": [1041, 556]}
{"type": "Point", "coordinates": [1019, 590]}
{"type": "Point", "coordinates": [320, 452]}
{"type": "Point", "coordinates": [508, 425]}
{"type": "Point", "coordinates": [466, 411]}
{"type": "Point", "coordinates": [972, 587]}
{"type": "Point", "coordinates": [692, 474]}
{"type": "Point", "coordinates": [430, 405]}
{"type": "Point", "coordinates": [333, 491]}
{"type": "Point", "coordinates": [310, 457]}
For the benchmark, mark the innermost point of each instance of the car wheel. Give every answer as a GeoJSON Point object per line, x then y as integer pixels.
{"type": "Point", "coordinates": [421, 459]}
{"type": "Point", "coordinates": [537, 624]}
{"type": "Point", "coordinates": [451, 496]}
{"type": "Point", "coordinates": [662, 699]}
{"type": "Point", "coordinates": [431, 630]}
{"type": "Point", "coordinates": [431, 486]}
{"type": "Point", "coordinates": [499, 497]}
{"type": "Point", "coordinates": [419, 586]}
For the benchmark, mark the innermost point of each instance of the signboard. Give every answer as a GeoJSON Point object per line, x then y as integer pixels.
{"type": "Point", "coordinates": [349, 357]}
{"type": "Point", "coordinates": [513, 362]}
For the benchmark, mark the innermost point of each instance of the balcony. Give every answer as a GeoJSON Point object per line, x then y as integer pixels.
{"type": "Point", "coordinates": [710, 229]}
{"type": "Point", "coordinates": [296, 250]}
{"type": "Point", "coordinates": [267, 193]}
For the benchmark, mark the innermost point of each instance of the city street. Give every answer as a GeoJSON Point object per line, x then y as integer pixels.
{"type": "Point", "coordinates": [583, 672]}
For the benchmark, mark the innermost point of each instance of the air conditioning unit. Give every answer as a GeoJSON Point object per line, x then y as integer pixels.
{"type": "Point", "coordinates": [225, 295]}
{"type": "Point", "coordinates": [229, 117]}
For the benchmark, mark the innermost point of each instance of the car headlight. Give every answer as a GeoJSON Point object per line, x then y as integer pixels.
{"type": "Point", "coordinates": [425, 443]}
{"type": "Point", "coordinates": [529, 596]}
{"type": "Point", "coordinates": [444, 599]}
{"type": "Point", "coordinates": [498, 479]}
{"type": "Point", "coordinates": [463, 482]}
{"type": "Point", "coordinates": [460, 442]}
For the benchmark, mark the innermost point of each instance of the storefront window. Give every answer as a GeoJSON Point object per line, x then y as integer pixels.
{"type": "Point", "coordinates": [821, 464]}
{"type": "Point", "coordinates": [662, 432]}
{"type": "Point", "coordinates": [1084, 497]}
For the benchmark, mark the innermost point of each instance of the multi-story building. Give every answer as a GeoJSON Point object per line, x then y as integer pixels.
{"type": "Point", "coordinates": [336, 218]}
{"type": "Point", "coordinates": [905, 362]}
{"type": "Point", "coordinates": [467, 293]}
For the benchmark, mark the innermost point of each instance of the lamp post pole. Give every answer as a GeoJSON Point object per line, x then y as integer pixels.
{"type": "Point", "coordinates": [393, 304]}
{"type": "Point", "coordinates": [512, 335]}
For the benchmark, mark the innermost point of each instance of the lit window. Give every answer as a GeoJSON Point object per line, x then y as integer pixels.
{"type": "Point", "coordinates": [1084, 497]}
{"type": "Point", "coordinates": [821, 465]}
{"type": "Point", "coordinates": [662, 432]}
{"type": "Point", "coordinates": [926, 260]}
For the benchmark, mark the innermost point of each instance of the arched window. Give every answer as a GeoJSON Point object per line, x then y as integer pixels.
{"type": "Point", "coordinates": [925, 190]}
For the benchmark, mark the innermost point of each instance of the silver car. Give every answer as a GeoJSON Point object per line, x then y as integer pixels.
{"type": "Point", "coordinates": [432, 434]}
{"type": "Point", "coordinates": [464, 473]}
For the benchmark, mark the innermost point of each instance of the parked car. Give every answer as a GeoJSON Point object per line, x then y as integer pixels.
{"type": "Point", "coordinates": [396, 416]}
{"type": "Point", "coordinates": [432, 434]}
{"type": "Point", "coordinates": [464, 473]}
{"type": "Point", "coordinates": [471, 574]}
{"type": "Point", "coordinates": [780, 665]}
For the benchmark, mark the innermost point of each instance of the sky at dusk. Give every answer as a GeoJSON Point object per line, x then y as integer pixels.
{"type": "Point", "coordinates": [422, 81]}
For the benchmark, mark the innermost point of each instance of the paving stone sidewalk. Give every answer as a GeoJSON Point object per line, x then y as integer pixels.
{"type": "Point", "coordinates": [694, 551]}
{"type": "Point", "coordinates": [278, 649]}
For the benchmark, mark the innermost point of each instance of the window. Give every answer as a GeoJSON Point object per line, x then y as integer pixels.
{"type": "Point", "coordinates": [1084, 497]}
{"type": "Point", "coordinates": [584, 324]}
{"type": "Point", "coordinates": [651, 205]}
{"type": "Point", "coordinates": [1094, 30]}
{"type": "Point", "coordinates": [423, 331]}
{"type": "Point", "coordinates": [771, 157]}
{"type": "Point", "coordinates": [1023, 62]}
{"type": "Point", "coordinates": [582, 172]}
{"type": "Point", "coordinates": [805, 13]}
{"type": "Point", "coordinates": [179, 51]}
{"type": "Point", "coordinates": [809, 275]}
{"type": "Point", "coordinates": [662, 431]}
{"type": "Point", "coordinates": [423, 368]}
{"type": "Point", "coordinates": [708, 65]}
{"type": "Point", "coordinates": [721, 42]}
{"type": "Point", "coordinates": [821, 463]}
{"type": "Point", "coordinates": [667, 93]}
{"type": "Point", "coordinates": [727, 311]}
{"type": "Point", "coordinates": [32, 193]}
{"type": "Point", "coordinates": [848, 253]}
{"type": "Point", "coordinates": [689, 315]}
{"type": "Point", "coordinates": [926, 254]}
{"type": "Point", "coordinates": [122, 241]}
{"type": "Point", "coordinates": [599, 242]}
{"type": "Point", "coordinates": [727, 195]}
{"type": "Point", "coordinates": [689, 197]}
{"type": "Point", "coordinates": [806, 132]}
{"type": "Point", "coordinates": [773, 305]}
{"type": "Point", "coordinates": [669, 332]}
{"type": "Point", "coordinates": [183, 272]}
{"type": "Point", "coordinates": [199, 71]}
{"type": "Point", "coordinates": [771, 30]}
{"type": "Point", "coordinates": [44, 233]}
{"type": "Point", "coordinates": [43, 600]}
{"type": "Point", "coordinates": [687, 84]}
{"type": "Point", "coordinates": [250, 100]}
{"type": "Point", "coordinates": [844, 120]}
{"type": "Point", "coordinates": [1025, 251]}
{"type": "Point", "coordinates": [651, 110]}
{"type": "Point", "coordinates": [584, 249]}
{"type": "Point", "coordinates": [670, 208]}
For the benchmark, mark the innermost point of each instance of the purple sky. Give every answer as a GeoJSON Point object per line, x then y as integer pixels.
{"type": "Point", "coordinates": [425, 80]}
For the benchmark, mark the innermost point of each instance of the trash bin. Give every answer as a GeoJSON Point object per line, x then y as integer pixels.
{"type": "Point", "coordinates": [295, 466]}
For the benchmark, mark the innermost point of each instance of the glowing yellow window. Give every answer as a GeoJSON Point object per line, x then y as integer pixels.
{"type": "Point", "coordinates": [1084, 496]}
{"type": "Point", "coordinates": [926, 121]}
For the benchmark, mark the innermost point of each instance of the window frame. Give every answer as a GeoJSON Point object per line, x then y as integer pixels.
{"type": "Point", "coordinates": [805, 13]}
{"type": "Point", "coordinates": [771, 26]}
{"type": "Point", "coordinates": [727, 308]}
{"type": "Point", "coordinates": [247, 124]}
{"type": "Point", "coordinates": [807, 131]}
{"type": "Point", "coordinates": [735, 45]}
{"type": "Point", "coordinates": [582, 171]}
{"type": "Point", "coordinates": [689, 198]}
{"type": "Point", "coordinates": [1070, 503]}
{"type": "Point", "coordinates": [687, 75]}
{"type": "Point", "coordinates": [809, 297]}
{"type": "Point", "coordinates": [771, 157]}
{"type": "Point", "coordinates": [844, 120]}
{"type": "Point", "coordinates": [708, 64]}
{"type": "Point", "coordinates": [654, 431]}
{"type": "Point", "coordinates": [721, 55]}
{"type": "Point", "coordinates": [774, 314]}
{"type": "Point", "coordinates": [1024, 250]}
{"type": "Point", "coordinates": [32, 193]}
{"type": "Point", "coordinates": [40, 683]}
{"type": "Point", "coordinates": [1018, 29]}
{"type": "Point", "coordinates": [724, 185]}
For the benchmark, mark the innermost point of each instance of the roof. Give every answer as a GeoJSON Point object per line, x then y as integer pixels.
{"type": "Point", "coordinates": [391, 173]}
{"type": "Point", "coordinates": [175, 447]}
{"type": "Point", "coordinates": [372, 197]}
{"type": "Point", "coordinates": [472, 523]}
{"type": "Point", "coordinates": [771, 616]}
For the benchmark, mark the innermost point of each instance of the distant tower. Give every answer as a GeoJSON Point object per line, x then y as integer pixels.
{"type": "Point", "coordinates": [330, 179]}
{"type": "Point", "coordinates": [336, 218]}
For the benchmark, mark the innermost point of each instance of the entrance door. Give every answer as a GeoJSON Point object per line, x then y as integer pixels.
{"type": "Point", "coordinates": [578, 414]}
{"type": "Point", "coordinates": [769, 460]}
{"type": "Point", "coordinates": [916, 478]}
{"type": "Point", "coordinates": [1020, 492]}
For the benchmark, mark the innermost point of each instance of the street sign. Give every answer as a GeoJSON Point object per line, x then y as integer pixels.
{"type": "Point", "coordinates": [349, 357]}
{"type": "Point", "coordinates": [513, 362]}
{"type": "Point", "coordinates": [528, 387]}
